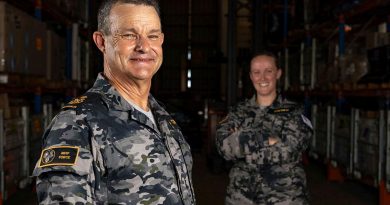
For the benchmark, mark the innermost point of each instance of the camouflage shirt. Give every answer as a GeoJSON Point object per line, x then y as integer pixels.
{"type": "Point", "coordinates": [264, 173]}
{"type": "Point", "coordinates": [100, 150]}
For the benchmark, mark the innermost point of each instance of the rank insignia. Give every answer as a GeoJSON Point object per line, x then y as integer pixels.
{"type": "Point", "coordinates": [74, 102]}
{"type": "Point", "coordinates": [59, 156]}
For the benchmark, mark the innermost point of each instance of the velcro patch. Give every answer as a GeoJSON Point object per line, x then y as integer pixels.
{"type": "Point", "coordinates": [59, 156]}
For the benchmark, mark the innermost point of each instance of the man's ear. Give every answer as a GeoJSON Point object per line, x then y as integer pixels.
{"type": "Point", "coordinates": [99, 40]}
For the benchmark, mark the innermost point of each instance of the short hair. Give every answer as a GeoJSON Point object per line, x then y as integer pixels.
{"type": "Point", "coordinates": [269, 54]}
{"type": "Point", "coordinates": [106, 6]}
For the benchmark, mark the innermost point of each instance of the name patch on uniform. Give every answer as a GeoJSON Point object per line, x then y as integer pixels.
{"type": "Point", "coordinates": [59, 155]}
{"type": "Point", "coordinates": [280, 110]}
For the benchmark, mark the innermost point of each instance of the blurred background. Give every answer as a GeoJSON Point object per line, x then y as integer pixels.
{"type": "Point", "coordinates": [335, 57]}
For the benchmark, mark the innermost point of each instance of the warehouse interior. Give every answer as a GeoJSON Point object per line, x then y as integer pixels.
{"type": "Point", "coordinates": [335, 57]}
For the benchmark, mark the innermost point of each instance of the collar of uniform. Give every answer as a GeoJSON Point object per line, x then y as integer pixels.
{"type": "Point", "coordinates": [111, 96]}
{"type": "Point", "coordinates": [277, 102]}
{"type": "Point", "coordinates": [114, 101]}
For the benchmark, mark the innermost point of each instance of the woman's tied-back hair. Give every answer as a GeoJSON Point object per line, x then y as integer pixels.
{"type": "Point", "coordinates": [106, 6]}
{"type": "Point", "coordinates": [269, 54]}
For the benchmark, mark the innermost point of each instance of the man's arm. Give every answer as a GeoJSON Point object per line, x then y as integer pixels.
{"type": "Point", "coordinates": [64, 171]}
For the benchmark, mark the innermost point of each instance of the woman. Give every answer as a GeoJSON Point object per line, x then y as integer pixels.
{"type": "Point", "coordinates": [265, 137]}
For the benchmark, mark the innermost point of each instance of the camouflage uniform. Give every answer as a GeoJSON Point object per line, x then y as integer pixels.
{"type": "Point", "coordinates": [263, 173]}
{"type": "Point", "coordinates": [100, 150]}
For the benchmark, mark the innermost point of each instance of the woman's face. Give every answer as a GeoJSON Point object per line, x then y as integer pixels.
{"type": "Point", "coordinates": [264, 75]}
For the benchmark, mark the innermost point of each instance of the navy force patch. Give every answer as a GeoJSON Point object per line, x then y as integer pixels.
{"type": "Point", "coordinates": [59, 156]}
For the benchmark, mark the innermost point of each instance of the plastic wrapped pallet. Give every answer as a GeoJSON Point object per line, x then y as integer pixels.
{"type": "Point", "coordinates": [368, 144]}
{"type": "Point", "coordinates": [342, 139]}
{"type": "Point", "coordinates": [321, 131]}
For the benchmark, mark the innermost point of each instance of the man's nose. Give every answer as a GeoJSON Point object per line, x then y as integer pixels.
{"type": "Point", "coordinates": [142, 44]}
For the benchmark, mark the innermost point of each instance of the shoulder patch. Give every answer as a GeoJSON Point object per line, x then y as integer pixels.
{"type": "Point", "coordinates": [307, 121]}
{"type": "Point", "coordinates": [73, 103]}
{"type": "Point", "coordinates": [281, 110]}
{"type": "Point", "coordinates": [59, 156]}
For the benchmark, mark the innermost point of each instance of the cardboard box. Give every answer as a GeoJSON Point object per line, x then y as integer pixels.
{"type": "Point", "coordinates": [55, 56]}
{"type": "Point", "coordinates": [37, 48]}
{"type": "Point", "coordinates": [14, 25]}
{"type": "Point", "coordinates": [22, 42]}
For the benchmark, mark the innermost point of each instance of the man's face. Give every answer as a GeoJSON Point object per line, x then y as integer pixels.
{"type": "Point", "coordinates": [264, 75]}
{"type": "Point", "coordinates": [134, 47]}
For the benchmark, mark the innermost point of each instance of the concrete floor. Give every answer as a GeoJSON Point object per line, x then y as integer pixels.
{"type": "Point", "coordinates": [210, 188]}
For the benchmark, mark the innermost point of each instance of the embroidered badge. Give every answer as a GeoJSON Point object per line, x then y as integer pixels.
{"type": "Point", "coordinates": [59, 156]}
{"type": "Point", "coordinates": [172, 122]}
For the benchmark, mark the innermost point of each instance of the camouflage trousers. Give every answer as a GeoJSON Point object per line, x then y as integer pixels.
{"type": "Point", "coordinates": [247, 188]}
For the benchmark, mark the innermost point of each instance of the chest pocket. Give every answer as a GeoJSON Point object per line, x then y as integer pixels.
{"type": "Point", "coordinates": [134, 150]}
{"type": "Point", "coordinates": [277, 123]}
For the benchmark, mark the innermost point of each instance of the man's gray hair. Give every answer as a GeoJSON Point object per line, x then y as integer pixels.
{"type": "Point", "coordinates": [106, 6]}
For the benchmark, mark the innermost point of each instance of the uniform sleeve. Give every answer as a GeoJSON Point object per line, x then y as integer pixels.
{"type": "Point", "coordinates": [293, 140]}
{"type": "Point", "coordinates": [233, 145]}
{"type": "Point", "coordinates": [64, 171]}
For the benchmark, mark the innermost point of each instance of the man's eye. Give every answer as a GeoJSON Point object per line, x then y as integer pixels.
{"type": "Point", "coordinates": [129, 36]}
{"type": "Point", "coordinates": [154, 37]}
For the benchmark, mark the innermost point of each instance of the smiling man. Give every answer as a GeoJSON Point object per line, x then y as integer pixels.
{"type": "Point", "coordinates": [116, 144]}
{"type": "Point", "coordinates": [265, 137]}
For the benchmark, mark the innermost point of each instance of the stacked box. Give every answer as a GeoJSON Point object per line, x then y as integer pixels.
{"type": "Point", "coordinates": [377, 39]}
{"type": "Point", "coordinates": [14, 27]}
{"type": "Point", "coordinates": [22, 42]}
{"type": "Point", "coordinates": [4, 105]}
{"type": "Point", "coordinates": [369, 131]}
{"type": "Point", "coordinates": [36, 128]}
{"type": "Point", "coordinates": [36, 48]}
{"type": "Point", "coordinates": [13, 134]}
{"type": "Point", "coordinates": [56, 56]}
{"type": "Point", "coordinates": [342, 139]}
{"type": "Point", "coordinates": [12, 170]}
{"type": "Point", "coordinates": [321, 131]}
{"type": "Point", "coordinates": [368, 144]}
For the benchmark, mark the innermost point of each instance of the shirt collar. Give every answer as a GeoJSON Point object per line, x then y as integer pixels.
{"type": "Point", "coordinates": [276, 103]}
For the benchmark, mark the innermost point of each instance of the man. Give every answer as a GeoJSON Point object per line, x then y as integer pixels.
{"type": "Point", "coordinates": [265, 137]}
{"type": "Point", "coordinates": [116, 144]}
